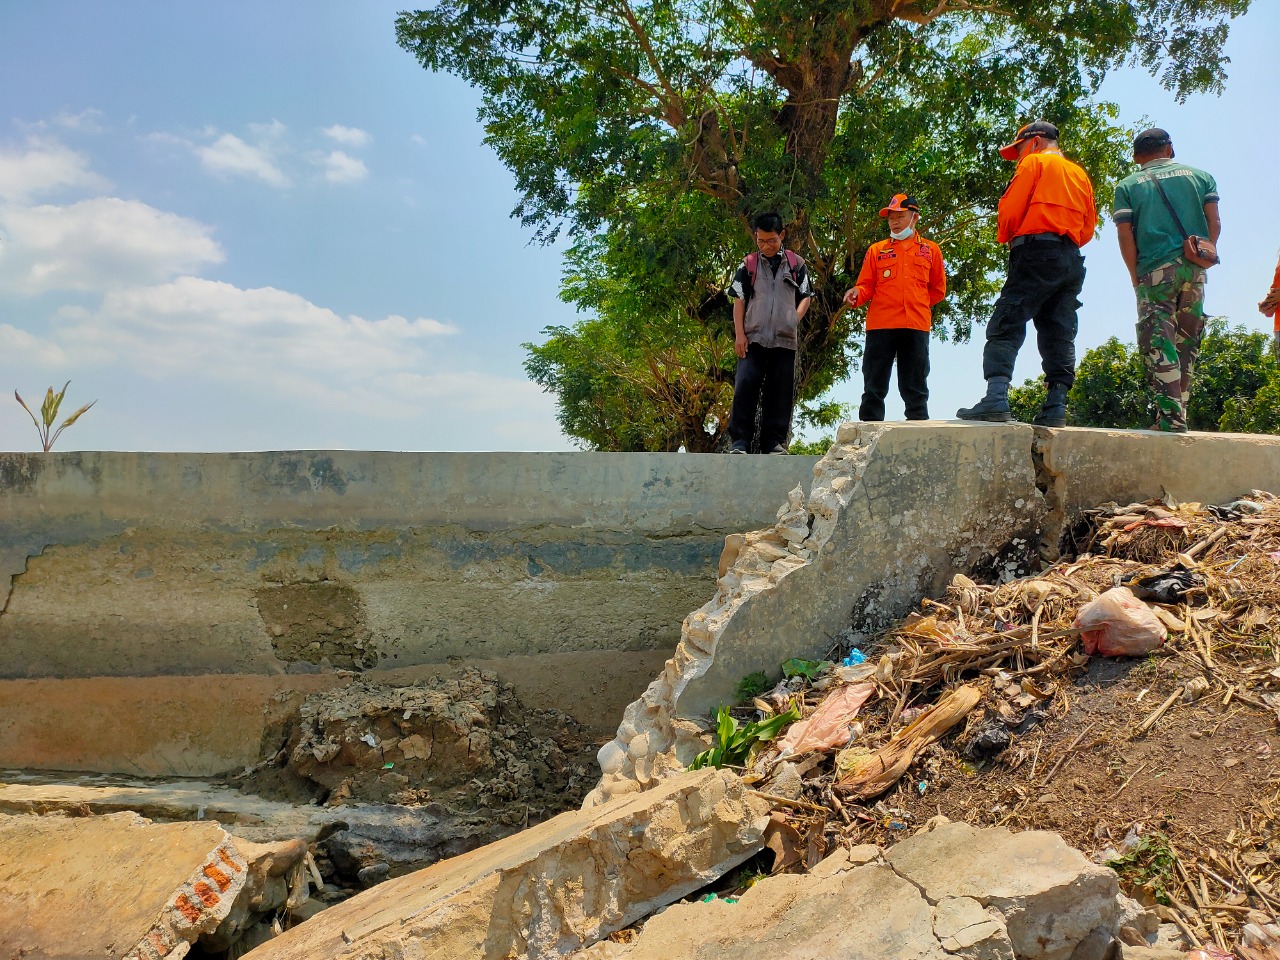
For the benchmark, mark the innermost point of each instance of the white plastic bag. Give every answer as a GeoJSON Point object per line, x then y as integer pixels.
{"type": "Point", "coordinates": [1118, 624]}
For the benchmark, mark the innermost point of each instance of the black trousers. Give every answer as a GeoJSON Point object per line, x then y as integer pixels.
{"type": "Point", "coordinates": [911, 350]}
{"type": "Point", "coordinates": [765, 378]}
{"type": "Point", "coordinates": [1044, 281]}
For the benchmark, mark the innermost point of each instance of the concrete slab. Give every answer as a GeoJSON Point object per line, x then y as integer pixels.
{"type": "Point", "coordinates": [550, 889]}
{"type": "Point", "coordinates": [111, 887]}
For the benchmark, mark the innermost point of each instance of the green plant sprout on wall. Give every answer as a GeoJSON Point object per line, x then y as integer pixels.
{"type": "Point", "coordinates": [49, 415]}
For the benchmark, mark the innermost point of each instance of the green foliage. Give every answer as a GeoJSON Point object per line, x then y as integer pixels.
{"type": "Point", "coordinates": [809, 669]}
{"type": "Point", "coordinates": [1025, 401]}
{"type": "Point", "coordinates": [49, 415]}
{"type": "Point", "coordinates": [752, 685]}
{"type": "Point", "coordinates": [654, 129]}
{"type": "Point", "coordinates": [1149, 866]}
{"type": "Point", "coordinates": [1235, 387]}
{"type": "Point", "coordinates": [734, 742]}
{"type": "Point", "coordinates": [814, 448]}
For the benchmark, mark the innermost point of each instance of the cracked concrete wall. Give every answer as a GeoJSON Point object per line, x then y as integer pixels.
{"type": "Point", "coordinates": [895, 510]}
{"type": "Point", "coordinates": [156, 568]}
{"type": "Point", "coordinates": [135, 564]}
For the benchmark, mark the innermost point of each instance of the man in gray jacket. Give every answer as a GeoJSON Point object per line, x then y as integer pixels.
{"type": "Point", "coordinates": [771, 295]}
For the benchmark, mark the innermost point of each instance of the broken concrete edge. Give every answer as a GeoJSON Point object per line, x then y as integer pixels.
{"type": "Point", "coordinates": [645, 747]}
{"type": "Point", "coordinates": [198, 906]}
{"type": "Point", "coordinates": [552, 888]}
{"type": "Point", "coordinates": [1022, 484]}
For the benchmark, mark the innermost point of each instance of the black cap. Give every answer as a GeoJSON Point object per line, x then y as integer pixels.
{"type": "Point", "coordinates": [1037, 128]}
{"type": "Point", "coordinates": [1151, 140]}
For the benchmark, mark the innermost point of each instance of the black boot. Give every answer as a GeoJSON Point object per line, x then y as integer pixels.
{"type": "Point", "coordinates": [994, 407]}
{"type": "Point", "coordinates": [1053, 413]}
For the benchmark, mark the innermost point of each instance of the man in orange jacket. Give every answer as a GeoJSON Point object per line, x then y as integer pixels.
{"type": "Point", "coordinates": [902, 278]}
{"type": "Point", "coordinates": [1046, 215]}
{"type": "Point", "coordinates": [1270, 307]}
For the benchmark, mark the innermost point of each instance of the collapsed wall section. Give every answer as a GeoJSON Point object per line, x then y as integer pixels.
{"type": "Point", "coordinates": [894, 512]}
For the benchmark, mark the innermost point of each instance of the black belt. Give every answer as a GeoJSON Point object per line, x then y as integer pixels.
{"type": "Point", "coordinates": [1026, 237]}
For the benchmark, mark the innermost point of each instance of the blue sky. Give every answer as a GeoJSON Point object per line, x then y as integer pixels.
{"type": "Point", "coordinates": [241, 226]}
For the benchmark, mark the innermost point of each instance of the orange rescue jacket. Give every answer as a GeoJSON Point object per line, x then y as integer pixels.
{"type": "Point", "coordinates": [902, 280]}
{"type": "Point", "coordinates": [1275, 282]}
{"type": "Point", "coordinates": [1048, 194]}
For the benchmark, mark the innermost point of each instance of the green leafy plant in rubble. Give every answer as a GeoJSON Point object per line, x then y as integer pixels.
{"type": "Point", "coordinates": [752, 685]}
{"type": "Point", "coordinates": [1149, 865]}
{"type": "Point", "coordinates": [49, 415]}
{"type": "Point", "coordinates": [734, 741]}
{"type": "Point", "coordinates": [809, 669]}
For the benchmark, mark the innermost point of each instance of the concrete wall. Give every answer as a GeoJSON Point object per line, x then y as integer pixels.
{"type": "Point", "coordinates": [291, 566]}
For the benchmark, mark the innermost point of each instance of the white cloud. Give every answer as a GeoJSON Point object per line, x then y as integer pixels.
{"type": "Point", "coordinates": [419, 139]}
{"type": "Point", "coordinates": [232, 156]}
{"type": "Point", "coordinates": [98, 244]}
{"type": "Point", "coordinates": [347, 136]}
{"type": "Point", "coordinates": [340, 167]}
{"type": "Point", "coordinates": [192, 326]}
{"type": "Point", "coordinates": [28, 349]}
{"type": "Point", "coordinates": [44, 167]}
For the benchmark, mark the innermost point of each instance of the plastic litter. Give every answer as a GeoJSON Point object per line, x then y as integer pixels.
{"type": "Point", "coordinates": [1118, 624]}
{"type": "Point", "coordinates": [369, 739]}
{"type": "Point", "coordinates": [1166, 586]}
{"type": "Point", "coordinates": [854, 658]}
{"type": "Point", "coordinates": [828, 726]}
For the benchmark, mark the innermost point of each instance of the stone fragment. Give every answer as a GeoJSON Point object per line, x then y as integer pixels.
{"type": "Point", "coordinates": [551, 889]}
{"type": "Point", "coordinates": [869, 913]}
{"type": "Point", "coordinates": [965, 929]}
{"type": "Point", "coordinates": [1050, 895]}
{"type": "Point", "coordinates": [112, 886]}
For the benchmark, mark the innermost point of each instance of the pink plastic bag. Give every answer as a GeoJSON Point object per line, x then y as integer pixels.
{"type": "Point", "coordinates": [1118, 624]}
{"type": "Point", "coordinates": [828, 727]}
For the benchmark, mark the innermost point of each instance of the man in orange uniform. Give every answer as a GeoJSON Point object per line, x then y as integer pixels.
{"type": "Point", "coordinates": [1046, 215]}
{"type": "Point", "coordinates": [1270, 307]}
{"type": "Point", "coordinates": [902, 278]}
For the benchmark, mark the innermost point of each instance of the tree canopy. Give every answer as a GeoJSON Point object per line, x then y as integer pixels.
{"type": "Point", "coordinates": [1235, 386]}
{"type": "Point", "coordinates": [653, 130]}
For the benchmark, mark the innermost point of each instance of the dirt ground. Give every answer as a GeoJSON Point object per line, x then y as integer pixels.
{"type": "Point", "coordinates": [1202, 772]}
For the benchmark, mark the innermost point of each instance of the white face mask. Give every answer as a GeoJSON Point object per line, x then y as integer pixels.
{"type": "Point", "coordinates": [902, 234]}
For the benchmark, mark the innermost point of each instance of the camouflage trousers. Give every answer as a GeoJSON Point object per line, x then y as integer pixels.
{"type": "Point", "coordinates": [1170, 325]}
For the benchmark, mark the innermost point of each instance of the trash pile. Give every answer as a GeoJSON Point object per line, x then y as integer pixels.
{"type": "Point", "coordinates": [982, 705]}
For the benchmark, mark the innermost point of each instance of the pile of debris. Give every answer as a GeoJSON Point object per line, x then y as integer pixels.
{"type": "Point", "coordinates": [473, 761]}
{"type": "Point", "coordinates": [1007, 705]}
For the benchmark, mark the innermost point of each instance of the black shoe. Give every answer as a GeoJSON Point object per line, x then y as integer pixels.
{"type": "Point", "coordinates": [1053, 412]}
{"type": "Point", "coordinates": [989, 409]}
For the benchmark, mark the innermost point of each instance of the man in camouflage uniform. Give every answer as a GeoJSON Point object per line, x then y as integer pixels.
{"type": "Point", "coordinates": [1170, 289]}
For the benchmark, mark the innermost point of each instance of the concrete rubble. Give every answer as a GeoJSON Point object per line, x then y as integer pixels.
{"type": "Point", "coordinates": [119, 886]}
{"type": "Point", "coordinates": [551, 889]}
{"type": "Point", "coordinates": [950, 891]}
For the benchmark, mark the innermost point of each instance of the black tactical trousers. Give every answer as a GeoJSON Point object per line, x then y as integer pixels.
{"type": "Point", "coordinates": [911, 350]}
{"type": "Point", "coordinates": [765, 377]}
{"type": "Point", "coordinates": [1044, 281]}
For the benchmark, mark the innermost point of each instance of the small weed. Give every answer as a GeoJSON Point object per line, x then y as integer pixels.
{"type": "Point", "coordinates": [734, 742]}
{"type": "Point", "coordinates": [752, 685]}
{"type": "Point", "coordinates": [1148, 866]}
{"type": "Point", "coordinates": [49, 415]}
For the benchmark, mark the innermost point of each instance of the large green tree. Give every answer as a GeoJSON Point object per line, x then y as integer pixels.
{"type": "Point", "coordinates": [1235, 387]}
{"type": "Point", "coordinates": [655, 129]}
